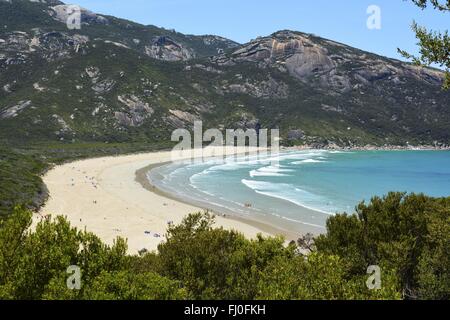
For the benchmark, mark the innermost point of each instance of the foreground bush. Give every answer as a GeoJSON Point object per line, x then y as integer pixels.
{"type": "Point", "coordinates": [33, 264]}
{"type": "Point", "coordinates": [406, 236]}
{"type": "Point", "coordinates": [406, 233]}
{"type": "Point", "coordinates": [20, 181]}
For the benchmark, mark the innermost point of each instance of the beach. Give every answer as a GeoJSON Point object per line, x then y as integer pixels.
{"type": "Point", "coordinates": [106, 196]}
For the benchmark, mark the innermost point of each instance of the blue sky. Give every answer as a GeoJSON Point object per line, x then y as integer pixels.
{"type": "Point", "coordinates": [242, 20]}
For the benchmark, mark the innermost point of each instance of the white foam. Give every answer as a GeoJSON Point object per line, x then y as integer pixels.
{"type": "Point", "coordinates": [258, 166]}
{"type": "Point", "coordinates": [308, 161]}
{"type": "Point", "coordinates": [270, 171]}
{"type": "Point", "coordinates": [257, 173]}
{"type": "Point", "coordinates": [284, 192]}
{"type": "Point", "coordinates": [276, 169]}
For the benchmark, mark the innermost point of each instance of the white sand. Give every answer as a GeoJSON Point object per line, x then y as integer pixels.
{"type": "Point", "coordinates": [103, 196]}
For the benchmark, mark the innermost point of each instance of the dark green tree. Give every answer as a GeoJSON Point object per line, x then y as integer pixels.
{"type": "Point", "coordinates": [30, 260]}
{"type": "Point", "coordinates": [213, 263]}
{"type": "Point", "coordinates": [320, 276]}
{"type": "Point", "coordinates": [406, 233]}
{"type": "Point", "coordinates": [434, 45]}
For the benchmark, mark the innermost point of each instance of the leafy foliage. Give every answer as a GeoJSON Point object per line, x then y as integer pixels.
{"type": "Point", "coordinates": [215, 263]}
{"type": "Point", "coordinates": [30, 261]}
{"type": "Point", "coordinates": [434, 45]}
{"type": "Point", "coordinates": [199, 261]}
{"type": "Point", "coordinates": [20, 183]}
{"type": "Point", "coordinates": [408, 234]}
{"type": "Point", "coordinates": [120, 285]}
{"type": "Point", "coordinates": [319, 276]}
{"type": "Point", "coordinates": [437, 4]}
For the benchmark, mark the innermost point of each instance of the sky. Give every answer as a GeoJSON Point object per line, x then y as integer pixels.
{"type": "Point", "coordinates": [242, 20]}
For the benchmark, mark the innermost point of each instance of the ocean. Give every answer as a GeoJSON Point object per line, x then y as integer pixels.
{"type": "Point", "coordinates": [298, 190]}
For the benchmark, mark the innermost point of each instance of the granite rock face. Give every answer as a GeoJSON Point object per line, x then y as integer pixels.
{"type": "Point", "coordinates": [63, 12]}
{"type": "Point", "coordinates": [267, 89]}
{"type": "Point", "coordinates": [158, 43]}
{"type": "Point", "coordinates": [118, 81]}
{"type": "Point", "coordinates": [165, 48]}
{"type": "Point", "coordinates": [12, 112]}
{"type": "Point", "coordinates": [135, 111]}
{"type": "Point", "coordinates": [329, 64]}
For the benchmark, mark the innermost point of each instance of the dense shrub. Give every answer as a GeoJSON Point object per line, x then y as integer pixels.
{"type": "Point", "coordinates": [406, 233]}
{"type": "Point", "coordinates": [407, 236]}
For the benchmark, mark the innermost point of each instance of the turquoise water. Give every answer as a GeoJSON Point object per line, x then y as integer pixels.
{"type": "Point", "coordinates": [326, 182]}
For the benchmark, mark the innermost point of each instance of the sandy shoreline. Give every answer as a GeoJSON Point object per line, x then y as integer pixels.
{"type": "Point", "coordinates": [107, 197]}
{"type": "Point", "coordinates": [265, 228]}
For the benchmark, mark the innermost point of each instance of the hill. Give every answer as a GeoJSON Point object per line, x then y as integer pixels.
{"type": "Point", "coordinates": [118, 81]}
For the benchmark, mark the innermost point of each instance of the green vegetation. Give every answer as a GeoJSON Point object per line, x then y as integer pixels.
{"type": "Point", "coordinates": [33, 265]}
{"type": "Point", "coordinates": [407, 236]}
{"type": "Point", "coordinates": [434, 46]}
{"type": "Point", "coordinates": [20, 183]}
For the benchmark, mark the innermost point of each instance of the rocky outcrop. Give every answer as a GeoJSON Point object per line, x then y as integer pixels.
{"type": "Point", "coordinates": [263, 89]}
{"type": "Point", "coordinates": [62, 13]}
{"type": "Point", "coordinates": [296, 53]}
{"type": "Point", "coordinates": [158, 43]}
{"type": "Point", "coordinates": [93, 73]}
{"type": "Point", "coordinates": [212, 40]}
{"type": "Point", "coordinates": [204, 68]}
{"type": "Point", "coordinates": [64, 127]}
{"type": "Point", "coordinates": [135, 112]}
{"type": "Point", "coordinates": [296, 134]}
{"type": "Point", "coordinates": [14, 111]}
{"type": "Point", "coordinates": [165, 48]}
{"type": "Point", "coordinates": [17, 47]}
{"type": "Point", "coordinates": [181, 119]}
{"type": "Point", "coordinates": [246, 121]}
{"type": "Point", "coordinates": [325, 63]}
{"type": "Point", "coordinates": [104, 86]}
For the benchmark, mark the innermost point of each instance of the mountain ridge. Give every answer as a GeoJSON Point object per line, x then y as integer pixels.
{"type": "Point", "coordinates": [118, 81]}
